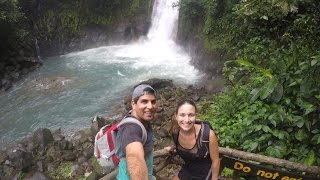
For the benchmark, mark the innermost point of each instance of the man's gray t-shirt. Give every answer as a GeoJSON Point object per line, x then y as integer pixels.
{"type": "Point", "coordinates": [127, 134]}
{"type": "Point", "coordinates": [131, 132]}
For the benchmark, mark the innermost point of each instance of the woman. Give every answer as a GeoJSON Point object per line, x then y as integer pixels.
{"type": "Point", "coordinates": [196, 144]}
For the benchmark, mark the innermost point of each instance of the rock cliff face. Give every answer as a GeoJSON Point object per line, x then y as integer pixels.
{"type": "Point", "coordinates": [15, 63]}
{"type": "Point", "coordinates": [189, 36]}
{"type": "Point", "coordinates": [88, 24]}
{"type": "Point", "coordinates": [91, 36]}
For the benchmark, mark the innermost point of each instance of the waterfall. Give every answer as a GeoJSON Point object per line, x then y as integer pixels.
{"type": "Point", "coordinates": [37, 50]}
{"type": "Point", "coordinates": [160, 45]}
{"type": "Point", "coordinates": [164, 22]}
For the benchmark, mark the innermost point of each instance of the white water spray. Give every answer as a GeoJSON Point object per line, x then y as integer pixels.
{"type": "Point", "coordinates": [160, 50]}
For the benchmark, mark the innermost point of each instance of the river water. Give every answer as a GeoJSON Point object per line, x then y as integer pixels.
{"type": "Point", "coordinates": [68, 90]}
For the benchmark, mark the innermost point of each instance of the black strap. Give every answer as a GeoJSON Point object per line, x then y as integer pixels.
{"type": "Point", "coordinates": [206, 132]}
{"type": "Point", "coordinates": [207, 128]}
{"type": "Point", "coordinates": [205, 135]}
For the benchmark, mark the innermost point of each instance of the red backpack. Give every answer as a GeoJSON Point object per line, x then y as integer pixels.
{"type": "Point", "coordinates": [104, 146]}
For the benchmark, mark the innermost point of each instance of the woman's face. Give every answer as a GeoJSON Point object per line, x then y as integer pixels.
{"type": "Point", "coordinates": [186, 117]}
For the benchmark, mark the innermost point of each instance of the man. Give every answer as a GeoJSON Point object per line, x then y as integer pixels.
{"type": "Point", "coordinates": [136, 158]}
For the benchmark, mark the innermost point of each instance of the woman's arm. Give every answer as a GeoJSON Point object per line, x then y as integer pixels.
{"type": "Point", "coordinates": [136, 165]}
{"type": "Point", "coordinates": [214, 155]}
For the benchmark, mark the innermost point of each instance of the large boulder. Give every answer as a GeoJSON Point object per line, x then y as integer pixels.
{"type": "Point", "coordinates": [43, 137]}
{"type": "Point", "coordinates": [19, 159]}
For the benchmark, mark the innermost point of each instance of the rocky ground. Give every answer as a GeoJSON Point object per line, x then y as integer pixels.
{"type": "Point", "coordinates": [49, 155]}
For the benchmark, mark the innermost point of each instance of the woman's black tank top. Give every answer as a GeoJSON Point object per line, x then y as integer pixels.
{"type": "Point", "coordinates": [197, 159]}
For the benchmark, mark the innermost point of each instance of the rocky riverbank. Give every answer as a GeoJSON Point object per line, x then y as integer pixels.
{"type": "Point", "coordinates": [50, 155]}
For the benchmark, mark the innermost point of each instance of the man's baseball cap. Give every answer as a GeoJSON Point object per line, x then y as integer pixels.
{"type": "Point", "coordinates": [140, 91]}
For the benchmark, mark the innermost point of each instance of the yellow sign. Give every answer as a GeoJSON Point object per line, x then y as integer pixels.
{"type": "Point", "coordinates": [261, 171]}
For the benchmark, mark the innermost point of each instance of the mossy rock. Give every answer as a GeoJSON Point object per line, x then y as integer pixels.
{"type": "Point", "coordinates": [99, 170]}
{"type": "Point", "coordinates": [63, 171]}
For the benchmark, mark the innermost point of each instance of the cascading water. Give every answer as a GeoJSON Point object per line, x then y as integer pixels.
{"type": "Point", "coordinates": [164, 22]}
{"type": "Point", "coordinates": [69, 90]}
{"type": "Point", "coordinates": [37, 50]}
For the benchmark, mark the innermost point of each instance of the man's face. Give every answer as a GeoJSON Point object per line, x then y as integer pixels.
{"type": "Point", "coordinates": [145, 108]}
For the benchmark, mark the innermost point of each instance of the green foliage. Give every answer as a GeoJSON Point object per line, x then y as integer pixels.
{"type": "Point", "coordinates": [272, 105]}
{"type": "Point", "coordinates": [191, 20]}
{"type": "Point", "coordinates": [13, 25]}
{"type": "Point", "coordinates": [21, 175]}
{"type": "Point", "coordinates": [226, 172]}
{"type": "Point", "coordinates": [9, 11]}
{"type": "Point", "coordinates": [61, 172]}
{"type": "Point", "coordinates": [63, 20]}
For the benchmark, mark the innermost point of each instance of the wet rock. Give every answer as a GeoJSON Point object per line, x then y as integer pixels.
{"type": "Point", "coordinates": [3, 157]}
{"type": "Point", "coordinates": [127, 102]}
{"type": "Point", "coordinates": [8, 172]}
{"type": "Point", "coordinates": [76, 170]}
{"type": "Point", "coordinates": [214, 84]}
{"type": "Point", "coordinates": [159, 118]}
{"type": "Point", "coordinates": [81, 160]}
{"type": "Point", "coordinates": [167, 95]}
{"type": "Point", "coordinates": [163, 133]}
{"type": "Point", "coordinates": [40, 166]}
{"type": "Point", "coordinates": [96, 123]}
{"type": "Point", "coordinates": [51, 84]}
{"type": "Point", "coordinates": [51, 166]}
{"type": "Point", "coordinates": [88, 153]}
{"type": "Point", "coordinates": [5, 84]}
{"type": "Point", "coordinates": [159, 109]}
{"type": "Point", "coordinates": [20, 160]}
{"type": "Point", "coordinates": [30, 147]}
{"type": "Point", "coordinates": [53, 153]}
{"type": "Point", "coordinates": [57, 135]}
{"type": "Point", "coordinates": [38, 176]}
{"type": "Point", "coordinates": [82, 135]}
{"type": "Point", "coordinates": [69, 156]}
{"type": "Point", "coordinates": [86, 166]}
{"type": "Point", "coordinates": [65, 145]}
{"type": "Point", "coordinates": [158, 84]}
{"type": "Point", "coordinates": [170, 112]}
{"type": "Point", "coordinates": [43, 137]}
{"type": "Point", "coordinates": [97, 168]}
{"type": "Point", "coordinates": [93, 176]}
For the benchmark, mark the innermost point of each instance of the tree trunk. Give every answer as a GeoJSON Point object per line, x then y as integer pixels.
{"type": "Point", "coordinates": [269, 160]}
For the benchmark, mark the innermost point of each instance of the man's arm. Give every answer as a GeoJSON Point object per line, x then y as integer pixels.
{"type": "Point", "coordinates": [136, 165]}
{"type": "Point", "coordinates": [214, 155]}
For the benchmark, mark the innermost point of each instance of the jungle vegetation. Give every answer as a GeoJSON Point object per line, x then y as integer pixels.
{"type": "Point", "coordinates": [271, 105]}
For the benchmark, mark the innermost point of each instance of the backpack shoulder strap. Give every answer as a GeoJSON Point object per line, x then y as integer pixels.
{"type": "Point", "coordinates": [135, 121]}
{"type": "Point", "coordinates": [101, 130]}
{"type": "Point", "coordinates": [205, 135]}
{"type": "Point", "coordinates": [206, 131]}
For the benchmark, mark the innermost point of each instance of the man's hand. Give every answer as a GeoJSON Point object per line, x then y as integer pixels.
{"type": "Point", "coordinates": [169, 149]}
